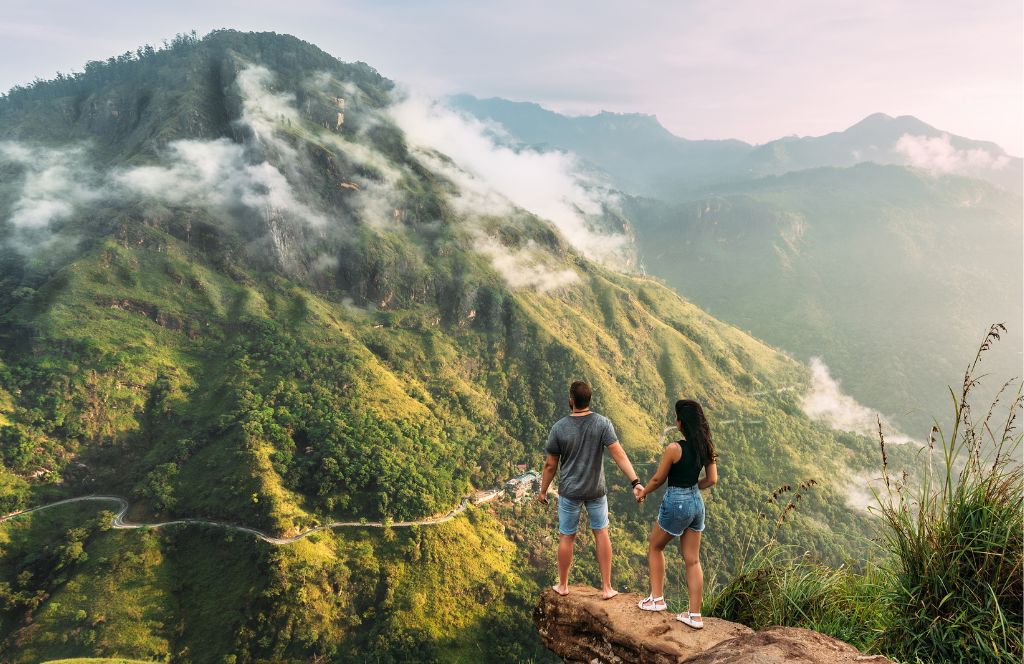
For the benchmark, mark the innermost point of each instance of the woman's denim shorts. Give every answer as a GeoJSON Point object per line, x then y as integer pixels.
{"type": "Point", "coordinates": [681, 508]}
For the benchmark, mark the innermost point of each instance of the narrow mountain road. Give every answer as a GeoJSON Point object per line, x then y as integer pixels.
{"type": "Point", "coordinates": [119, 522]}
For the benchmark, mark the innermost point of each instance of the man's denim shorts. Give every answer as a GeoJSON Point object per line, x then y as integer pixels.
{"type": "Point", "coordinates": [681, 509]}
{"type": "Point", "coordinates": [569, 514]}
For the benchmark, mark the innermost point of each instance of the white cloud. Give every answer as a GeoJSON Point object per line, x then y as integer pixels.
{"type": "Point", "coordinates": [939, 155]}
{"type": "Point", "coordinates": [265, 111]}
{"type": "Point", "coordinates": [53, 183]}
{"type": "Point", "coordinates": [826, 401]}
{"type": "Point", "coordinates": [527, 267]}
{"type": "Point", "coordinates": [217, 173]}
{"type": "Point", "coordinates": [493, 178]}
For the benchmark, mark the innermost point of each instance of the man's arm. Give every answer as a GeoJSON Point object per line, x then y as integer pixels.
{"type": "Point", "coordinates": [550, 466]}
{"type": "Point", "coordinates": [622, 461]}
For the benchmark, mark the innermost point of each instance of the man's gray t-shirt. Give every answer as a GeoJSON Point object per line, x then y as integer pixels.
{"type": "Point", "coordinates": [579, 442]}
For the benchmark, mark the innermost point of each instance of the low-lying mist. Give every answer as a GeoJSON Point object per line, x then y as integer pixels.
{"type": "Point", "coordinates": [826, 401]}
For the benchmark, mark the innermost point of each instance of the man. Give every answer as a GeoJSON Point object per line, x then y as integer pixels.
{"type": "Point", "coordinates": [577, 443]}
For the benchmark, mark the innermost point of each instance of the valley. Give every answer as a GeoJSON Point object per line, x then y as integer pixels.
{"type": "Point", "coordinates": [272, 322]}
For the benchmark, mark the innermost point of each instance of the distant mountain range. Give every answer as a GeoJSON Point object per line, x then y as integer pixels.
{"type": "Point", "coordinates": [886, 249]}
{"type": "Point", "coordinates": [644, 158]}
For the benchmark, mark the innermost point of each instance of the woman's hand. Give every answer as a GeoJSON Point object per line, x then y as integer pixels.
{"type": "Point", "coordinates": [639, 492]}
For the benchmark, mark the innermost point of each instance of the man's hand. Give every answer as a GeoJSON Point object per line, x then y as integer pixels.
{"type": "Point", "coordinates": [639, 493]}
{"type": "Point", "coordinates": [542, 497]}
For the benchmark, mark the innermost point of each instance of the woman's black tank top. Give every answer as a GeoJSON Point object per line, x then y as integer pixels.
{"type": "Point", "coordinates": [686, 471]}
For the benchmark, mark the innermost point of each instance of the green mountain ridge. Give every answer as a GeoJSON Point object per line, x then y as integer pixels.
{"type": "Point", "coordinates": [263, 307]}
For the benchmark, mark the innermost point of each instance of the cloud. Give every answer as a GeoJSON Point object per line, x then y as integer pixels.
{"type": "Point", "coordinates": [495, 178]}
{"type": "Point", "coordinates": [52, 183]}
{"type": "Point", "coordinates": [231, 178]}
{"type": "Point", "coordinates": [218, 174]}
{"type": "Point", "coordinates": [527, 267]}
{"type": "Point", "coordinates": [939, 155]}
{"type": "Point", "coordinates": [863, 491]}
{"type": "Point", "coordinates": [265, 111]}
{"type": "Point", "coordinates": [826, 401]}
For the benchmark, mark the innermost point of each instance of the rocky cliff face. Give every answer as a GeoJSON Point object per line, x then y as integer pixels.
{"type": "Point", "coordinates": [582, 627]}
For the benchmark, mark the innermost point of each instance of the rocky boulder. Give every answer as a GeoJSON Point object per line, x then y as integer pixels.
{"type": "Point", "coordinates": [582, 627]}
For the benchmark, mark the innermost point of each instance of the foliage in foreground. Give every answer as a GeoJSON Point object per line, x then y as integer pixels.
{"type": "Point", "coordinates": [948, 580]}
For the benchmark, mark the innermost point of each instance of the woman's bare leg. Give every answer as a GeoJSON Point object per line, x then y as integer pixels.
{"type": "Point", "coordinates": [656, 544]}
{"type": "Point", "coordinates": [689, 544]}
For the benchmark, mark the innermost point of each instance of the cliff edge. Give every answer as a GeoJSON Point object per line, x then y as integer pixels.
{"type": "Point", "coordinates": [581, 627]}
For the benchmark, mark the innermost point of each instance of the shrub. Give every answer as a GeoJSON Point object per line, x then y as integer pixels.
{"type": "Point", "coordinates": [955, 578]}
{"type": "Point", "coordinates": [947, 584]}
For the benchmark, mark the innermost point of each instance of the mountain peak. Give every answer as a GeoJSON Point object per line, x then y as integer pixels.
{"type": "Point", "coordinates": [883, 122]}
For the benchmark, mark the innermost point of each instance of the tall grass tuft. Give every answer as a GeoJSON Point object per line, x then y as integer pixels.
{"type": "Point", "coordinates": [947, 586]}
{"type": "Point", "coordinates": [955, 575]}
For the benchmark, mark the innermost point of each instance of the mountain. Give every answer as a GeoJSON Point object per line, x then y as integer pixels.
{"type": "Point", "coordinates": [888, 274]}
{"type": "Point", "coordinates": [643, 158]}
{"type": "Point", "coordinates": [883, 139]}
{"type": "Point", "coordinates": [846, 246]}
{"type": "Point", "coordinates": [638, 154]}
{"type": "Point", "coordinates": [236, 289]}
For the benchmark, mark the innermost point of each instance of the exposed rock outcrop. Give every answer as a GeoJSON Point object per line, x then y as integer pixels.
{"type": "Point", "coordinates": [582, 627]}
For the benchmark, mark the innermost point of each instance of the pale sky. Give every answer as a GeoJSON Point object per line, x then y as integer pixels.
{"type": "Point", "coordinates": [749, 69]}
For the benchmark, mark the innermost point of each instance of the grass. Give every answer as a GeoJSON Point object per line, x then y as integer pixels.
{"type": "Point", "coordinates": [946, 584]}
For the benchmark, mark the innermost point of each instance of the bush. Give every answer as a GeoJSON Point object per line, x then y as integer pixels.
{"type": "Point", "coordinates": [947, 585]}
{"type": "Point", "coordinates": [954, 590]}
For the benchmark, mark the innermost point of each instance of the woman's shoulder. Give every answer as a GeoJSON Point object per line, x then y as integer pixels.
{"type": "Point", "coordinates": [675, 448]}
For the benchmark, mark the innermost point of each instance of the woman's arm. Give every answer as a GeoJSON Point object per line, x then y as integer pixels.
{"type": "Point", "coordinates": [710, 476]}
{"type": "Point", "coordinates": [671, 456]}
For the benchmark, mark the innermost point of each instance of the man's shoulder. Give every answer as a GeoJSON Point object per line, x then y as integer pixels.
{"type": "Point", "coordinates": [560, 422]}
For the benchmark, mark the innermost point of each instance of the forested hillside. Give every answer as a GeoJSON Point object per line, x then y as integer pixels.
{"type": "Point", "coordinates": [232, 288]}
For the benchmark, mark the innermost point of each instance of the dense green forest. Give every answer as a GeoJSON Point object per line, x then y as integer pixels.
{"type": "Point", "coordinates": [215, 321]}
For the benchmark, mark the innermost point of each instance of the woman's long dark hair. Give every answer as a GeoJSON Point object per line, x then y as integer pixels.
{"type": "Point", "coordinates": [695, 429]}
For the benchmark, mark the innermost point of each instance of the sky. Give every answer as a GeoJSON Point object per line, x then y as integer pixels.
{"type": "Point", "coordinates": [754, 70]}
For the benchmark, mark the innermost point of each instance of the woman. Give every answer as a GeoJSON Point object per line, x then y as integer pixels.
{"type": "Point", "coordinates": [682, 509]}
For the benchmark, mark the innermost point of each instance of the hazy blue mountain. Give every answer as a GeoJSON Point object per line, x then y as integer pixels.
{"type": "Point", "coordinates": [890, 274]}
{"type": "Point", "coordinates": [639, 154]}
{"type": "Point", "coordinates": [847, 245]}
{"type": "Point", "coordinates": [883, 139]}
{"type": "Point", "coordinates": [644, 158]}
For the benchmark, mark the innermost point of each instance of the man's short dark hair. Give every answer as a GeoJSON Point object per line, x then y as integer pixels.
{"type": "Point", "coordinates": [580, 394]}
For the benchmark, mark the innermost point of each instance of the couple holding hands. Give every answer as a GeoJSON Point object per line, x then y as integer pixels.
{"type": "Point", "coordinates": [575, 449]}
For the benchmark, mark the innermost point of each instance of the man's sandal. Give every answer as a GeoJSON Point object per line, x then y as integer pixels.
{"type": "Point", "coordinates": [650, 603]}
{"type": "Point", "coordinates": [692, 619]}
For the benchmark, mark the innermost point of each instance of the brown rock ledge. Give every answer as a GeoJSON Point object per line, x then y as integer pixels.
{"type": "Point", "coordinates": [582, 627]}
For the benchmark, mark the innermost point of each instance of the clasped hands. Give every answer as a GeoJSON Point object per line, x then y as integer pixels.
{"type": "Point", "coordinates": [639, 493]}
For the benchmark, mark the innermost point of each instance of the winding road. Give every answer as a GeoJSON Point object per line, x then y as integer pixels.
{"type": "Point", "coordinates": [119, 522]}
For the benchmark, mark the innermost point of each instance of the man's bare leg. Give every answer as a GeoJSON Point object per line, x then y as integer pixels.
{"type": "Point", "coordinates": [603, 544]}
{"type": "Point", "coordinates": [565, 544]}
